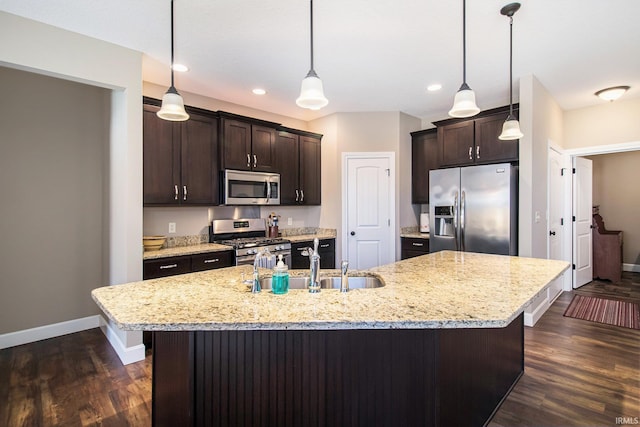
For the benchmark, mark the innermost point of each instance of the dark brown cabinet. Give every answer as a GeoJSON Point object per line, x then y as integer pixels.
{"type": "Point", "coordinates": [425, 156]}
{"type": "Point", "coordinates": [171, 266]}
{"type": "Point", "coordinates": [326, 250]}
{"type": "Point", "coordinates": [248, 146]}
{"type": "Point", "coordinates": [299, 163]}
{"type": "Point", "coordinates": [475, 141]}
{"type": "Point", "coordinates": [179, 159]}
{"type": "Point", "coordinates": [412, 246]}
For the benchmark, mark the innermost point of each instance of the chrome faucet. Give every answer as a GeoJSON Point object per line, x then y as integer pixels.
{"type": "Point", "coordinates": [314, 266]}
{"type": "Point", "coordinates": [344, 278]}
{"type": "Point", "coordinates": [258, 260]}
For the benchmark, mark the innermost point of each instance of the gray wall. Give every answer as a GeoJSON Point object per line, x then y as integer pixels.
{"type": "Point", "coordinates": [54, 144]}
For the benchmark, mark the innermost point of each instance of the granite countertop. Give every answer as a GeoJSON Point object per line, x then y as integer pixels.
{"type": "Point", "coordinates": [415, 235]}
{"type": "Point", "coordinates": [185, 250]}
{"type": "Point", "coordinates": [310, 237]}
{"type": "Point", "coordinates": [441, 290]}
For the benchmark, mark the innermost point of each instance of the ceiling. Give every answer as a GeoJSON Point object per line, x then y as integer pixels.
{"type": "Point", "coordinates": [372, 55]}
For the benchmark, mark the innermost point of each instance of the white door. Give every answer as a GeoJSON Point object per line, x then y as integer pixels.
{"type": "Point", "coordinates": [369, 209]}
{"type": "Point", "coordinates": [582, 237]}
{"type": "Point", "coordinates": [555, 238]}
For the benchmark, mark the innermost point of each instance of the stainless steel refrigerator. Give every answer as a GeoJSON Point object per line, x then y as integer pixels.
{"type": "Point", "coordinates": [474, 209]}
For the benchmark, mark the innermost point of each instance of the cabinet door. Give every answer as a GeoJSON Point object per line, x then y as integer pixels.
{"type": "Point", "coordinates": [299, 261]}
{"type": "Point", "coordinates": [155, 268]}
{"type": "Point", "coordinates": [287, 165]}
{"type": "Point", "coordinates": [424, 157]}
{"type": "Point", "coordinates": [327, 252]}
{"type": "Point", "coordinates": [236, 145]}
{"type": "Point", "coordinates": [199, 170]}
{"type": "Point", "coordinates": [310, 188]}
{"type": "Point", "coordinates": [161, 158]}
{"type": "Point", "coordinates": [456, 143]}
{"type": "Point", "coordinates": [489, 149]}
{"type": "Point", "coordinates": [263, 147]}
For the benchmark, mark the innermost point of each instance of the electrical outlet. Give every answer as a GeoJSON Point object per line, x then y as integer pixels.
{"type": "Point", "coordinates": [537, 217]}
{"type": "Point", "coordinates": [289, 221]}
{"type": "Point", "coordinates": [172, 227]}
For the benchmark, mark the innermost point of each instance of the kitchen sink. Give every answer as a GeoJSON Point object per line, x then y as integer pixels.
{"type": "Point", "coordinates": [366, 282]}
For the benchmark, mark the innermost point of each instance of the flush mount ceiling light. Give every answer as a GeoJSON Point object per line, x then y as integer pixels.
{"type": "Point", "coordinates": [511, 126]}
{"type": "Point", "coordinates": [434, 87]}
{"type": "Point", "coordinates": [464, 103]}
{"type": "Point", "coordinates": [259, 91]}
{"type": "Point", "coordinates": [172, 104]}
{"type": "Point", "coordinates": [612, 93]}
{"type": "Point", "coordinates": [180, 68]}
{"type": "Point", "coordinates": [311, 92]}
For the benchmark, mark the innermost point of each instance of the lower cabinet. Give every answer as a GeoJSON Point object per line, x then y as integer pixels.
{"type": "Point", "coordinates": [326, 250]}
{"type": "Point", "coordinates": [413, 247]}
{"type": "Point", "coordinates": [164, 267]}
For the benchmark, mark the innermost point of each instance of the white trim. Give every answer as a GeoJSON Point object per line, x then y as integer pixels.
{"type": "Point", "coordinates": [604, 149]}
{"type": "Point", "coordinates": [631, 267]}
{"type": "Point", "coordinates": [49, 331]}
{"type": "Point", "coordinates": [391, 156]}
{"type": "Point", "coordinates": [127, 355]}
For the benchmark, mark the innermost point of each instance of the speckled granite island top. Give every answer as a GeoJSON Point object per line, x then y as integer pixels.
{"type": "Point", "coordinates": [441, 290]}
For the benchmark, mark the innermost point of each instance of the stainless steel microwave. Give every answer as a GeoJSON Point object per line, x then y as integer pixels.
{"type": "Point", "coordinates": [251, 188]}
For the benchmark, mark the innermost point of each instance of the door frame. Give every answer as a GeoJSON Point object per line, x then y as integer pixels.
{"type": "Point", "coordinates": [389, 155]}
{"type": "Point", "coordinates": [592, 151]}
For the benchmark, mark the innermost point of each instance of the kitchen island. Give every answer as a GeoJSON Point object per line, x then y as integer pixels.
{"type": "Point", "coordinates": [440, 344]}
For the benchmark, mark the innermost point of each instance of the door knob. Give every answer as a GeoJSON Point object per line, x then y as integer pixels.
{"type": "Point", "coordinates": [552, 233]}
{"type": "Point", "coordinates": [353, 233]}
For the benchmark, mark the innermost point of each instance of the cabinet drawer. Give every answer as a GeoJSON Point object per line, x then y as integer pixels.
{"type": "Point", "coordinates": [406, 254]}
{"type": "Point", "coordinates": [211, 260]}
{"type": "Point", "coordinates": [166, 267]}
{"type": "Point", "coordinates": [415, 244]}
{"type": "Point", "coordinates": [326, 250]}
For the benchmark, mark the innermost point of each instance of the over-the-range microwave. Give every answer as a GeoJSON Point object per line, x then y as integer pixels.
{"type": "Point", "coordinates": [250, 188]}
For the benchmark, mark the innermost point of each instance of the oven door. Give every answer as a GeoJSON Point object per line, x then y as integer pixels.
{"type": "Point", "coordinates": [251, 188]}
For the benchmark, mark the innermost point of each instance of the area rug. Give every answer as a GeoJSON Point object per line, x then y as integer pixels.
{"type": "Point", "coordinates": [608, 311]}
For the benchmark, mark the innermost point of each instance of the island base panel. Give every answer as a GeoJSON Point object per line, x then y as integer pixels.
{"type": "Point", "coordinates": [378, 377]}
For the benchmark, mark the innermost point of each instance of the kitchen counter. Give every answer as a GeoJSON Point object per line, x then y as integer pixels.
{"type": "Point", "coordinates": [415, 235]}
{"type": "Point", "coordinates": [441, 290]}
{"type": "Point", "coordinates": [185, 250]}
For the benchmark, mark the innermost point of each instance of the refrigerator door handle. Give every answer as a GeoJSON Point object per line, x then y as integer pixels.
{"type": "Point", "coordinates": [455, 220]}
{"type": "Point", "coordinates": [462, 209]}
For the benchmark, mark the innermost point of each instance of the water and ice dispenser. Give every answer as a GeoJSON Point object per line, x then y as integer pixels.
{"type": "Point", "coordinates": [444, 221]}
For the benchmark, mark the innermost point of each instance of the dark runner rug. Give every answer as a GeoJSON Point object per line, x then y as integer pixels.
{"type": "Point", "coordinates": [601, 310]}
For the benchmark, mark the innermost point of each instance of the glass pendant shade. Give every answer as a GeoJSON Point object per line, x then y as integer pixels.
{"type": "Point", "coordinates": [172, 107]}
{"type": "Point", "coordinates": [510, 129]}
{"type": "Point", "coordinates": [464, 103]}
{"type": "Point", "coordinates": [311, 93]}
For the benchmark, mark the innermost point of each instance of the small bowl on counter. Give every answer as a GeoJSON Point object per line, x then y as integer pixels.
{"type": "Point", "coordinates": [153, 243]}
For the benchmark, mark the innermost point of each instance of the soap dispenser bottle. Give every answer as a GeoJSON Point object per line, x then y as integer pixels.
{"type": "Point", "coordinates": [280, 277]}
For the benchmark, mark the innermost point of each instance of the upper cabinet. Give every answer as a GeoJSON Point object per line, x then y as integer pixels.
{"type": "Point", "coordinates": [475, 141]}
{"type": "Point", "coordinates": [247, 146]}
{"type": "Point", "coordinates": [425, 156]}
{"type": "Point", "coordinates": [298, 163]}
{"type": "Point", "coordinates": [180, 162]}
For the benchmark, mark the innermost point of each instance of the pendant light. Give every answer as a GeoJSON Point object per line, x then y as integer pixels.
{"type": "Point", "coordinates": [511, 126]}
{"type": "Point", "coordinates": [311, 92]}
{"type": "Point", "coordinates": [172, 104]}
{"type": "Point", "coordinates": [464, 103]}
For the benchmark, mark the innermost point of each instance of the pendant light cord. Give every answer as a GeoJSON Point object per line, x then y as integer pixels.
{"type": "Point", "coordinates": [311, 38]}
{"type": "Point", "coordinates": [172, 43]}
{"type": "Point", "coordinates": [464, 42]}
{"type": "Point", "coordinates": [511, 65]}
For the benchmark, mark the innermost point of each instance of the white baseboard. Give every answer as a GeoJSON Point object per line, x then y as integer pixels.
{"type": "Point", "coordinates": [631, 267]}
{"type": "Point", "coordinates": [49, 331]}
{"type": "Point", "coordinates": [127, 355]}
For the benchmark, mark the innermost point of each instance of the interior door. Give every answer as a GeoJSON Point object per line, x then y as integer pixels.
{"type": "Point", "coordinates": [582, 212]}
{"type": "Point", "coordinates": [368, 212]}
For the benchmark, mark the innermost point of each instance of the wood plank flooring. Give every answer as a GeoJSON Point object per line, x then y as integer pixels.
{"type": "Point", "coordinates": [577, 373]}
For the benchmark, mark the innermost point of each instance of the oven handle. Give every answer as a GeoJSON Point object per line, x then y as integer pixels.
{"type": "Point", "coordinates": [268, 190]}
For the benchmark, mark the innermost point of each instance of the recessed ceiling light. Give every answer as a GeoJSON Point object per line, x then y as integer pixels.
{"type": "Point", "coordinates": [180, 68]}
{"type": "Point", "coordinates": [434, 87]}
{"type": "Point", "coordinates": [612, 93]}
{"type": "Point", "coordinates": [259, 91]}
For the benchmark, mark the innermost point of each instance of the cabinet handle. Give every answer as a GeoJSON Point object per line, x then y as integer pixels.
{"type": "Point", "coordinates": [175, 187]}
{"type": "Point", "coordinates": [184, 190]}
{"type": "Point", "coordinates": [326, 245]}
{"type": "Point", "coordinates": [255, 161]}
{"type": "Point", "coordinates": [297, 195]}
{"type": "Point", "coordinates": [301, 196]}
{"type": "Point", "coordinates": [209, 261]}
{"type": "Point", "coordinates": [470, 153]}
{"type": "Point", "coordinates": [164, 267]}
{"type": "Point", "coordinates": [248, 160]}
{"type": "Point", "coordinates": [417, 244]}
{"type": "Point", "coordinates": [478, 152]}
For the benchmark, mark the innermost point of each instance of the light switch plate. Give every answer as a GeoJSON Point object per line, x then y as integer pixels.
{"type": "Point", "coordinates": [289, 221]}
{"type": "Point", "coordinates": [172, 227]}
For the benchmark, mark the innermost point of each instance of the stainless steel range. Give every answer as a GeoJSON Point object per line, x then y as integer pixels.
{"type": "Point", "coordinates": [247, 237]}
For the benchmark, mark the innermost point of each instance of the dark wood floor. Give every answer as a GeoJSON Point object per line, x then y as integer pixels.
{"type": "Point", "coordinates": [577, 373]}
